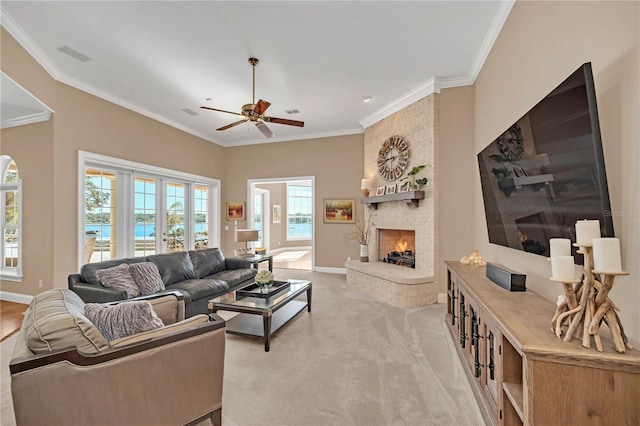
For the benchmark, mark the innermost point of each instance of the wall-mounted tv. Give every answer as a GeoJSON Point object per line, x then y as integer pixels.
{"type": "Point", "coordinates": [546, 171]}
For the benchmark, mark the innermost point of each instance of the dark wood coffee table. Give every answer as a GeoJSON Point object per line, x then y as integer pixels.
{"type": "Point", "coordinates": [275, 311]}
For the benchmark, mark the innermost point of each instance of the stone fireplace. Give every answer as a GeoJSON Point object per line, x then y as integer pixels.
{"type": "Point", "coordinates": [397, 220]}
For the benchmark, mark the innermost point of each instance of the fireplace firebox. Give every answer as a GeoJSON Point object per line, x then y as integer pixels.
{"type": "Point", "coordinates": [397, 246]}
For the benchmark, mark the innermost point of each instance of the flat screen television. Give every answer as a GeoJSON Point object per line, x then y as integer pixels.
{"type": "Point", "coordinates": [546, 171]}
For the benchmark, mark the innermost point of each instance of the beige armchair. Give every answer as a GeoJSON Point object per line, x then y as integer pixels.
{"type": "Point", "coordinates": [64, 372]}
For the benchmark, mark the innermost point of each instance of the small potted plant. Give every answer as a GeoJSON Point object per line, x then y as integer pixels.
{"type": "Point", "coordinates": [415, 184]}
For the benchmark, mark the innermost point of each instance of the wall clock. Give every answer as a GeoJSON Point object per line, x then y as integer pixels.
{"type": "Point", "coordinates": [393, 158]}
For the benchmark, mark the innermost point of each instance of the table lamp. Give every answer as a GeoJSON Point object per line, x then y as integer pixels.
{"type": "Point", "coordinates": [365, 185]}
{"type": "Point", "coordinates": [245, 236]}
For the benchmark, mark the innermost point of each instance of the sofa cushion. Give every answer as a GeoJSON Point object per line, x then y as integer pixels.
{"type": "Point", "coordinates": [173, 267]}
{"type": "Point", "coordinates": [147, 277]}
{"type": "Point", "coordinates": [234, 276]}
{"type": "Point", "coordinates": [119, 277]}
{"type": "Point", "coordinates": [88, 271]}
{"type": "Point", "coordinates": [207, 262]}
{"type": "Point", "coordinates": [199, 289]}
{"type": "Point", "coordinates": [55, 320]}
{"type": "Point", "coordinates": [123, 319]}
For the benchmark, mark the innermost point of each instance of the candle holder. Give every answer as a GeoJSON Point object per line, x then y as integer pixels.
{"type": "Point", "coordinates": [587, 305]}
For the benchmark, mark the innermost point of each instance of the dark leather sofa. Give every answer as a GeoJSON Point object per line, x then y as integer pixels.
{"type": "Point", "coordinates": [200, 275]}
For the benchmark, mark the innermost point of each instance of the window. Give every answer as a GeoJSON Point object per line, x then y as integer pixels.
{"type": "Point", "coordinates": [10, 220]}
{"type": "Point", "coordinates": [133, 209]}
{"type": "Point", "coordinates": [299, 210]}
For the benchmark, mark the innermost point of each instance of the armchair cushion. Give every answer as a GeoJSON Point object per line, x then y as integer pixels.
{"type": "Point", "coordinates": [119, 277]}
{"type": "Point", "coordinates": [147, 277]}
{"type": "Point", "coordinates": [55, 320]}
{"type": "Point", "coordinates": [123, 319]}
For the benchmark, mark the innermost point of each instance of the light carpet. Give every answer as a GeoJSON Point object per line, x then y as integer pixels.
{"type": "Point", "coordinates": [352, 361]}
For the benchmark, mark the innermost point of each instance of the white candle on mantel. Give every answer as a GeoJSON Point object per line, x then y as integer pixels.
{"type": "Point", "coordinates": [606, 255]}
{"type": "Point", "coordinates": [586, 231]}
{"type": "Point", "coordinates": [559, 247]}
{"type": "Point", "coordinates": [562, 268]}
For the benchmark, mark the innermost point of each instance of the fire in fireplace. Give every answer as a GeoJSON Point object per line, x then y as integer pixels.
{"type": "Point", "coordinates": [397, 246]}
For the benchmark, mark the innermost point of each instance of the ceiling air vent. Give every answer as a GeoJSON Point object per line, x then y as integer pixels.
{"type": "Point", "coordinates": [292, 111]}
{"type": "Point", "coordinates": [74, 53]}
{"type": "Point", "coordinates": [189, 111]}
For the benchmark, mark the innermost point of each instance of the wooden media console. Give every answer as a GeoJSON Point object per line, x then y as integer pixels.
{"type": "Point", "coordinates": [521, 373]}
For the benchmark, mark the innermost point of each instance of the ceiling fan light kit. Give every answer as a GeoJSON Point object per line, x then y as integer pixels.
{"type": "Point", "coordinates": [255, 111]}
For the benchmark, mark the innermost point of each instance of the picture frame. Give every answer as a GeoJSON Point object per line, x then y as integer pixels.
{"type": "Point", "coordinates": [380, 190]}
{"type": "Point", "coordinates": [403, 187]}
{"type": "Point", "coordinates": [235, 210]}
{"type": "Point", "coordinates": [276, 214]}
{"type": "Point", "coordinates": [391, 189]}
{"type": "Point", "coordinates": [339, 210]}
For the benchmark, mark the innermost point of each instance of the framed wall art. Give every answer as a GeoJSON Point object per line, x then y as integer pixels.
{"type": "Point", "coordinates": [380, 190]}
{"type": "Point", "coordinates": [403, 187]}
{"type": "Point", "coordinates": [339, 210]}
{"type": "Point", "coordinates": [276, 213]}
{"type": "Point", "coordinates": [235, 210]}
{"type": "Point", "coordinates": [391, 189]}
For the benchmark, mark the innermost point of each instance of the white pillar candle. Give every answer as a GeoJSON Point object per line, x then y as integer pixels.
{"type": "Point", "coordinates": [586, 231]}
{"type": "Point", "coordinates": [559, 247]}
{"type": "Point", "coordinates": [562, 268]}
{"type": "Point", "coordinates": [606, 255]}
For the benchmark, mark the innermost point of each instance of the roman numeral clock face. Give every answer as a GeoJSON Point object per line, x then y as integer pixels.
{"type": "Point", "coordinates": [393, 158]}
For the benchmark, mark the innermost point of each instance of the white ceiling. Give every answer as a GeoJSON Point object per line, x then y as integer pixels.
{"type": "Point", "coordinates": [322, 58]}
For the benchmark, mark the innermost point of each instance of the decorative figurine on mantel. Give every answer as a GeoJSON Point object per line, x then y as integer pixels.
{"type": "Point", "coordinates": [586, 303]}
{"type": "Point", "coordinates": [474, 258]}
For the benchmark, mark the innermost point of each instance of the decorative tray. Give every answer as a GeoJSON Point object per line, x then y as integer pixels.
{"type": "Point", "coordinates": [253, 290]}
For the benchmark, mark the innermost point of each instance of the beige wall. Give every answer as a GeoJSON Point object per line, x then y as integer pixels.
{"type": "Point", "coordinates": [457, 171]}
{"type": "Point", "coordinates": [336, 163]}
{"type": "Point", "coordinates": [540, 45]}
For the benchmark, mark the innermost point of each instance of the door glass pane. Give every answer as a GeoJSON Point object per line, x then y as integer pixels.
{"type": "Point", "coordinates": [299, 211]}
{"type": "Point", "coordinates": [201, 217]}
{"type": "Point", "coordinates": [174, 238]}
{"type": "Point", "coordinates": [257, 217]}
{"type": "Point", "coordinates": [145, 216]}
{"type": "Point", "coordinates": [100, 215]}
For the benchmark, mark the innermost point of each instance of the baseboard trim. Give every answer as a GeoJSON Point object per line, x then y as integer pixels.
{"type": "Point", "coordinates": [442, 297]}
{"type": "Point", "coordinates": [15, 297]}
{"type": "Point", "coordinates": [329, 270]}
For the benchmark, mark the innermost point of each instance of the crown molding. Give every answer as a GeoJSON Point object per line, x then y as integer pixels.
{"type": "Point", "coordinates": [320, 135]}
{"type": "Point", "coordinates": [499, 19]}
{"type": "Point", "coordinates": [425, 89]}
{"type": "Point", "coordinates": [26, 119]}
{"type": "Point", "coordinates": [27, 43]}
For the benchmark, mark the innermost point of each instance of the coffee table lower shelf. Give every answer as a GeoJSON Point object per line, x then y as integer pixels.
{"type": "Point", "coordinates": [256, 325]}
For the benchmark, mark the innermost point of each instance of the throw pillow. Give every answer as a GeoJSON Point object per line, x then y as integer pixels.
{"type": "Point", "coordinates": [147, 277]}
{"type": "Point", "coordinates": [119, 277]}
{"type": "Point", "coordinates": [122, 319]}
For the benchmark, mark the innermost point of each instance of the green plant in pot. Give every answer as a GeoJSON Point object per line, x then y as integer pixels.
{"type": "Point", "coordinates": [416, 183]}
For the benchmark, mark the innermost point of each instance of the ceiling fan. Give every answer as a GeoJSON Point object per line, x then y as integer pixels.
{"type": "Point", "coordinates": [255, 111]}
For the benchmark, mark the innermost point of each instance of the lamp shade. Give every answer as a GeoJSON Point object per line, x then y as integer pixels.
{"type": "Point", "coordinates": [365, 184]}
{"type": "Point", "coordinates": [245, 235]}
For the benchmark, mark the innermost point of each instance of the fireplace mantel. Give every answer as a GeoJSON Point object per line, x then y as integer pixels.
{"type": "Point", "coordinates": [411, 198]}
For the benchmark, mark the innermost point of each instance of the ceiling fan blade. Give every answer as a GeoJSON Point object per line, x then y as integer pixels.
{"type": "Point", "coordinates": [228, 126]}
{"type": "Point", "coordinates": [264, 129]}
{"type": "Point", "coordinates": [261, 107]}
{"type": "Point", "coordinates": [284, 121]}
{"type": "Point", "coordinates": [220, 110]}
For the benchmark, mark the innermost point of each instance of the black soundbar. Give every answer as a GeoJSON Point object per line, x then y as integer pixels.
{"type": "Point", "coordinates": [506, 278]}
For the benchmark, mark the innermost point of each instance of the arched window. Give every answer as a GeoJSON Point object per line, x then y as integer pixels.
{"type": "Point", "coordinates": [10, 220]}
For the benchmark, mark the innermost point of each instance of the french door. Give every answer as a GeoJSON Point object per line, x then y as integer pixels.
{"type": "Point", "coordinates": [132, 213]}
